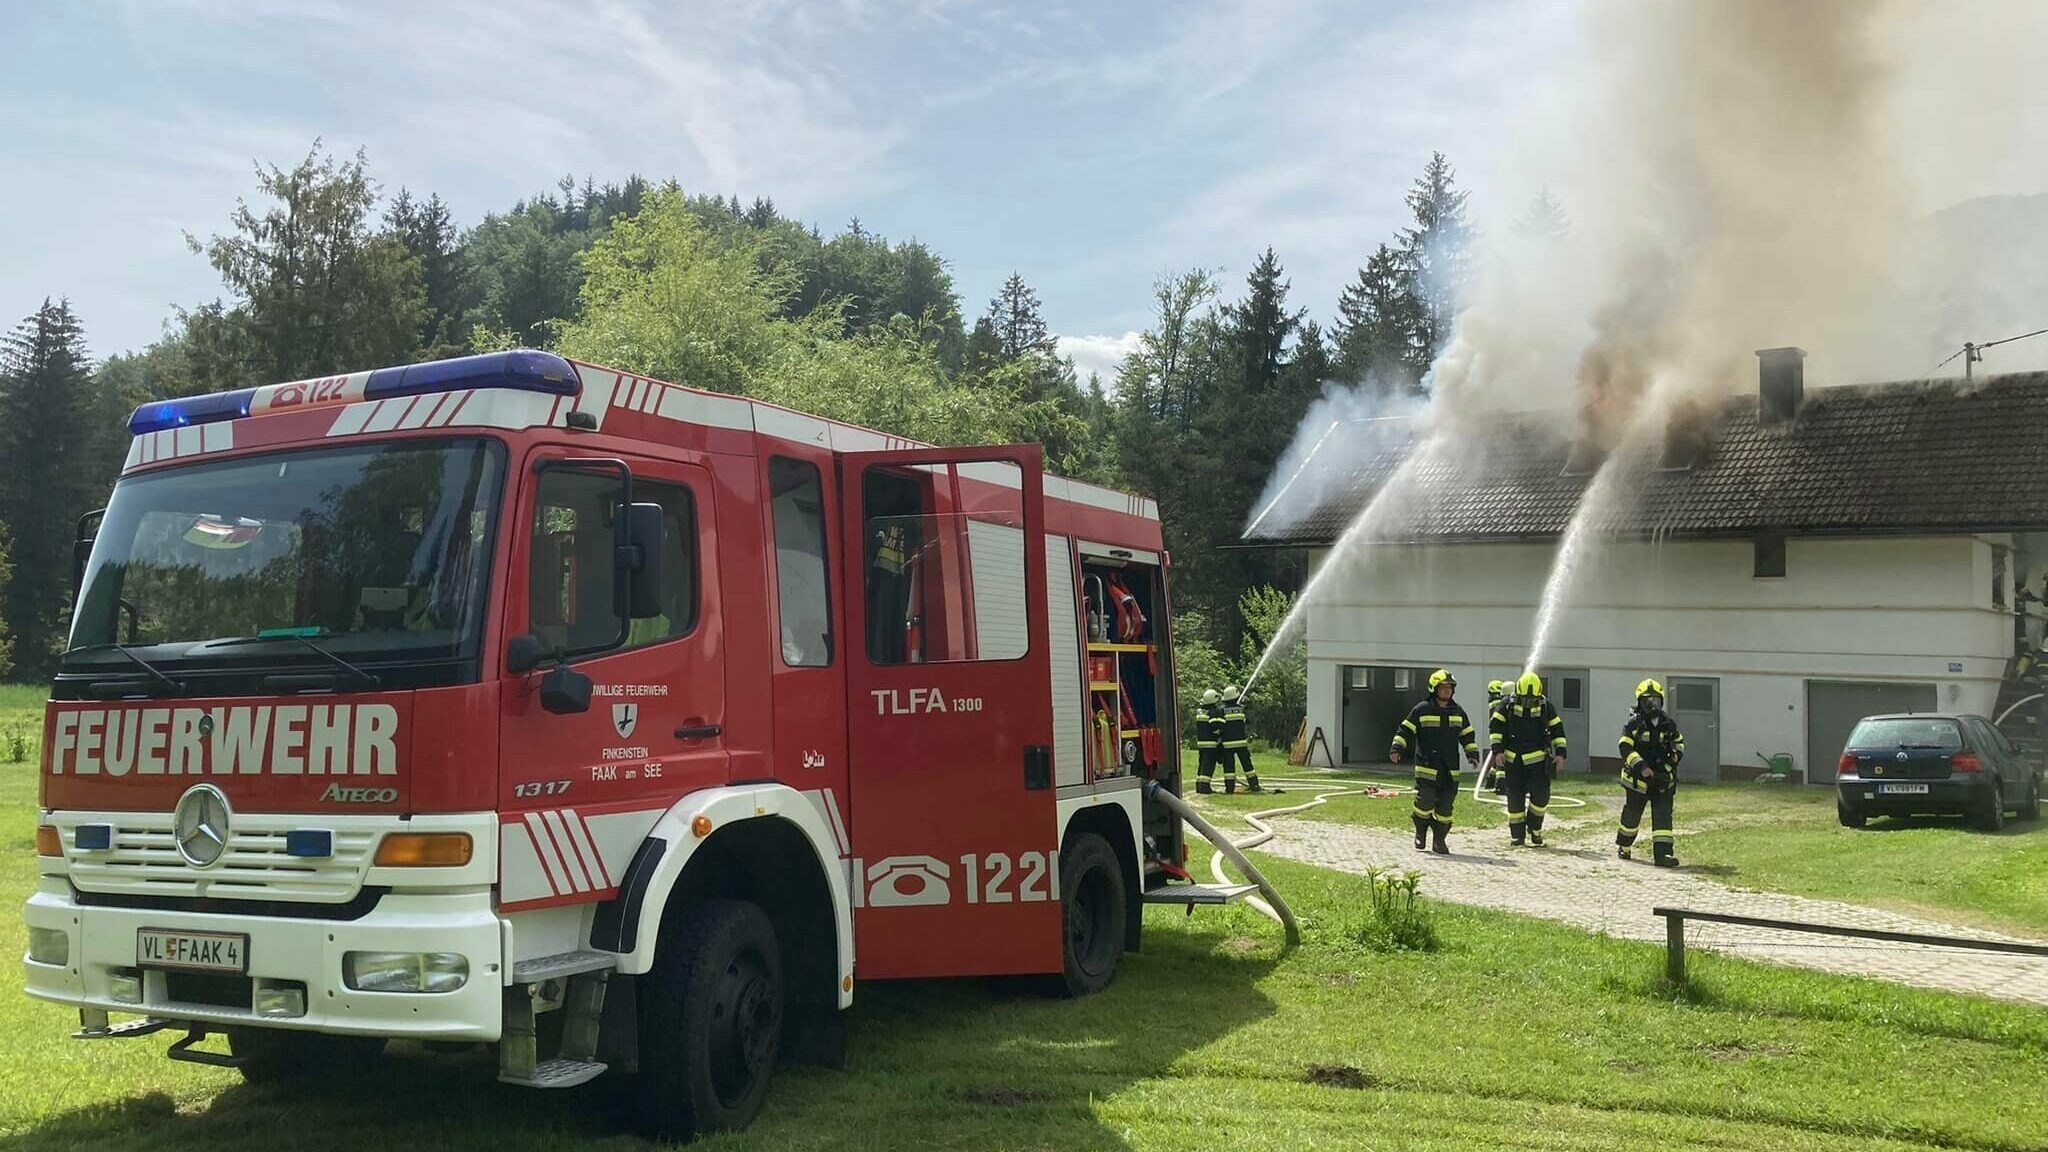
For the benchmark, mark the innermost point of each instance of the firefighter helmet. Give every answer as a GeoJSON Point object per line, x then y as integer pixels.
{"type": "Point", "coordinates": [1441, 677]}
{"type": "Point", "coordinates": [1230, 694]}
{"type": "Point", "coordinates": [1209, 696]}
{"type": "Point", "coordinates": [1529, 685]}
{"type": "Point", "coordinates": [1495, 689]}
{"type": "Point", "coordinates": [1647, 689]}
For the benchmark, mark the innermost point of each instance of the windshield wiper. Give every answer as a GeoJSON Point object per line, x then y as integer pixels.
{"type": "Point", "coordinates": [366, 679]}
{"type": "Point", "coordinates": [175, 687]}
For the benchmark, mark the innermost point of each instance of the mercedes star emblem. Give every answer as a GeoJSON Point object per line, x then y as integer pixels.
{"type": "Point", "coordinates": [199, 826]}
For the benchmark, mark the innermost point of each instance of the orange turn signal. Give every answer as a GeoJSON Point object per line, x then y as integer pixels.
{"type": "Point", "coordinates": [700, 827]}
{"type": "Point", "coordinates": [49, 841]}
{"type": "Point", "coordinates": [424, 850]}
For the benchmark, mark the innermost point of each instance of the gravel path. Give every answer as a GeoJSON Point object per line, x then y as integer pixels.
{"type": "Point", "coordinates": [1583, 884]}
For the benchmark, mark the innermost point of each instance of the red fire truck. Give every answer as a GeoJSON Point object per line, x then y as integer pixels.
{"type": "Point", "coordinates": [526, 702]}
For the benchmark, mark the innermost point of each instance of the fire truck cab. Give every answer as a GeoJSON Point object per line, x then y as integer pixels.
{"type": "Point", "coordinates": [520, 701]}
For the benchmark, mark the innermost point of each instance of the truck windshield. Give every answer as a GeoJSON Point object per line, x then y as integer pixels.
{"type": "Point", "coordinates": [378, 550]}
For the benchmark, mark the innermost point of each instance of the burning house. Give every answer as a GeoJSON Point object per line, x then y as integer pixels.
{"type": "Point", "coordinates": [1785, 561]}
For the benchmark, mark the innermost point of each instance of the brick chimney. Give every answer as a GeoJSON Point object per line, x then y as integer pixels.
{"type": "Point", "coordinates": [1781, 385]}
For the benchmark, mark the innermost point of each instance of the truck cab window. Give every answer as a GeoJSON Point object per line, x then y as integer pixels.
{"type": "Point", "coordinates": [943, 557]}
{"type": "Point", "coordinates": [570, 594]}
{"type": "Point", "coordinates": [797, 502]}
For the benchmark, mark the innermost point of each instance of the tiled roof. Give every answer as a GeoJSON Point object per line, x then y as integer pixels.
{"type": "Point", "coordinates": [1889, 458]}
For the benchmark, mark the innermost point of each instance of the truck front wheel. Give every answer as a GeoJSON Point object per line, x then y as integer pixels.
{"type": "Point", "coordinates": [1092, 896]}
{"type": "Point", "coordinates": [269, 1055]}
{"type": "Point", "coordinates": [710, 1021]}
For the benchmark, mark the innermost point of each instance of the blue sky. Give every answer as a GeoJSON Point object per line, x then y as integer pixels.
{"type": "Point", "coordinates": [1090, 147]}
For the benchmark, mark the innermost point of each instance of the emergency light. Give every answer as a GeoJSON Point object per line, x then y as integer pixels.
{"type": "Point", "coordinates": [520, 368]}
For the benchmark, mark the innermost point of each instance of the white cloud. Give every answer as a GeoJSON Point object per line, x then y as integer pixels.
{"type": "Point", "coordinates": [1098, 354]}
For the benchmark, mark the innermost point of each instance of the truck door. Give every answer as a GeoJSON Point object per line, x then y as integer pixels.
{"type": "Point", "coordinates": [949, 683]}
{"type": "Point", "coordinates": [578, 791]}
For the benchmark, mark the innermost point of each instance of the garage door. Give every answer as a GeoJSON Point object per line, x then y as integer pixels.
{"type": "Point", "coordinates": [1833, 708]}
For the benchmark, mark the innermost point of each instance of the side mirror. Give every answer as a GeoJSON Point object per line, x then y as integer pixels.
{"type": "Point", "coordinates": [639, 560]}
{"type": "Point", "coordinates": [81, 546]}
{"type": "Point", "coordinates": [523, 653]}
{"type": "Point", "coordinates": [565, 691]}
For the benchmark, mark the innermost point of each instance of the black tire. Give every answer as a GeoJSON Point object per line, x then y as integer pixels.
{"type": "Point", "coordinates": [710, 1021]}
{"type": "Point", "coordinates": [273, 1055]}
{"type": "Point", "coordinates": [1850, 817]}
{"type": "Point", "coordinates": [1092, 915]}
{"type": "Point", "coordinates": [1991, 817]}
{"type": "Point", "coordinates": [2030, 808]}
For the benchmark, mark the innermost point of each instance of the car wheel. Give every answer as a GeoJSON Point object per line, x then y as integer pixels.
{"type": "Point", "coordinates": [1991, 818]}
{"type": "Point", "coordinates": [710, 1022]}
{"type": "Point", "coordinates": [2030, 808]}
{"type": "Point", "coordinates": [1092, 912]}
{"type": "Point", "coordinates": [1850, 817]}
{"type": "Point", "coordinates": [273, 1055]}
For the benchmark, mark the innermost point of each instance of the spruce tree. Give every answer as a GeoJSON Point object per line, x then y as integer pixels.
{"type": "Point", "coordinates": [1434, 255]}
{"type": "Point", "coordinates": [44, 383]}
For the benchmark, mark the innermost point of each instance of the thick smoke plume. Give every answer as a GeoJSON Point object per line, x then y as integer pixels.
{"type": "Point", "coordinates": [1731, 186]}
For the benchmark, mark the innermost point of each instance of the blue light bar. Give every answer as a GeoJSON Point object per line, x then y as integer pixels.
{"type": "Point", "coordinates": [93, 837]}
{"type": "Point", "coordinates": [158, 415]}
{"type": "Point", "coordinates": [309, 842]}
{"type": "Point", "coordinates": [519, 368]}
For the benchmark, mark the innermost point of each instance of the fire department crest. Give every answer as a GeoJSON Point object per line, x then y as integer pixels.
{"type": "Point", "coordinates": [624, 718]}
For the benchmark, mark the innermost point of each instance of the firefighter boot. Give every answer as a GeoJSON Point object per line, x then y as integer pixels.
{"type": "Point", "coordinates": [1421, 833]}
{"type": "Point", "coordinates": [1666, 857]}
{"type": "Point", "coordinates": [1202, 786]}
{"type": "Point", "coordinates": [1251, 782]}
{"type": "Point", "coordinates": [1622, 851]}
{"type": "Point", "coordinates": [1438, 845]}
{"type": "Point", "coordinates": [1229, 785]}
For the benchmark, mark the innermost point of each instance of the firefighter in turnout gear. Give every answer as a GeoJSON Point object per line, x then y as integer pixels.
{"type": "Point", "coordinates": [1237, 743]}
{"type": "Point", "coordinates": [1208, 738]}
{"type": "Point", "coordinates": [1435, 733]}
{"type": "Point", "coordinates": [1651, 748]}
{"type": "Point", "coordinates": [1496, 691]}
{"type": "Point", "coordinates": [1528, 740]}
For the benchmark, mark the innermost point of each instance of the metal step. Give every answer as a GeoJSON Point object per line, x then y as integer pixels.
{"type": "Point", "coordinates": [557, 1073]}
{"type": "Point", "coordinates": [124, 1031]}
{"type": "Point", "coordinates": [1193, 894]}
{"type": "Point", "coordinates": [562, 964]}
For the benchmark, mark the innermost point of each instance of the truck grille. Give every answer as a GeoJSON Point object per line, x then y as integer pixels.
{"type": "Point", "coordinates": [144, 861]}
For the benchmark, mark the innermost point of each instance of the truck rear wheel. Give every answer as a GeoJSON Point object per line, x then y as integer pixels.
{"type": "Point", "coordinates": [270, 1055]}
{"type": "Point", "coordinates": [710, 1022]}
{"type": "Point", "coordinates": [1092, 908]}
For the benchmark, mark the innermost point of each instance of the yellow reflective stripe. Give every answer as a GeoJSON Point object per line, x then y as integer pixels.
{"type": "Point", "coordinates": [1432, 721]}
{"type": "Point", "coordinates": [1457, 718]}
{"type": "Point", "coordinates": [1408, 724]}
{"type": "Point", "coordinates": [1558, 743]}
{"type": "Point", "coordinates": [1443, 820]}
{"type": "Point", "coordinates": [1629, 828]}
{"type": "Point", "coordinates": [1400, 741]}
{"type": "Point", "coordinates": [1539, 809]}
{"type": "Point", "coordinates": [1627, 741]}
{"type": "Point", "coordinates": [1425, 813]}
{"type": "Point", "coordinates": [1467, 733]}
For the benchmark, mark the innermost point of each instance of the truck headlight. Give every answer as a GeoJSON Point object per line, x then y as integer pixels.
{"type": "Point", "coordinates": [49, 946]}
{"type": "Point", "coordinates": [405, 971]}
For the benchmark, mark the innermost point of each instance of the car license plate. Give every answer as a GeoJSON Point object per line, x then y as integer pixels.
{"type": "Point", "coordinates": [1904, 789]}
{"type": "Point", "coordinates": [198, 951]}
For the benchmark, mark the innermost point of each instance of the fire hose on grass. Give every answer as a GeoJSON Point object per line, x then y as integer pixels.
{"type": "Point", "coordinates": [1272, 906]}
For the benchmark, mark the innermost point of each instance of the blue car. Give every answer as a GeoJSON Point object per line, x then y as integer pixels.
{"type": "Point", "coordinates": [1924, 763]}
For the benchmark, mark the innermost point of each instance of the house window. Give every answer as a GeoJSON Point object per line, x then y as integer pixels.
{"type": "Point", "coordinates": [2000, 560]}
{"type": "Point", "coordinates": [1400, 679]}
{"type": "Point", "coordinates": [1361, 677]}
{"type": "Point", "coordinates": [1769, 560]}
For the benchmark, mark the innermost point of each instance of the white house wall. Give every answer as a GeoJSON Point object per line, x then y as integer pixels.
{"type": "Point", "coordinates": [1847, 609]}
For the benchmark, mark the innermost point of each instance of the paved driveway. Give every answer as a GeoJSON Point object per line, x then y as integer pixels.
{"type": "Point", "coordinates": [1583, 884]}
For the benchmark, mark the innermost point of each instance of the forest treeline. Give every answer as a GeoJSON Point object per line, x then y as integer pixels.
{"type": "Point", "coordinates": [323, 272]}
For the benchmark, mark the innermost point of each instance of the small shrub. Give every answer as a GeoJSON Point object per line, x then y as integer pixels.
{"type": "Point", "coordinates": [17, 745]}
{"type": "Point", "coordinates": [1397, 919]}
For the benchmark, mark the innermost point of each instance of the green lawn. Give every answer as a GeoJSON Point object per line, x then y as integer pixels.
{"type": "Point", "coordinates": [1518, 1033]}
{"type": "Point", "coordinates": [1772, 837]}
